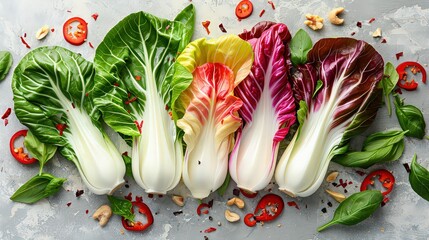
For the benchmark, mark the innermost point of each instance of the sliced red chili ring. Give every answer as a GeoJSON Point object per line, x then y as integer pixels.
{"type": "Point", "coordinates": [385, 177]}
{"type": "Point", "coordinates": [250, 220]}
{"type": "Point", "coordinates": [244, 9]}
{"type": "Point", "coordinates": [269, 208]}
{"type": "Point", "coordinates": [79, 36]}
{"type": "Point", "coordinates": [18, 153]}
{"type": "Point", "coordinates": [402, 71]}
{"type": "Point", "coordinates": [137, 225]}
{"type": "Point", "coordinates": [201, 207]}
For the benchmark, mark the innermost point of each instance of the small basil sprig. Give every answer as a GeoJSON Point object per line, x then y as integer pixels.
{"type": "Point", "coordinates": [410, 118]}
{"type": "Point", "coordinates": [356, 208]}
{"type": "Point", "coordinates": [5, 63]}
{"type": "Point", "coordinates": [121, 207]}
{"type": "Point", "coordinates": [388, 83]}
{"type": "Point", "coordinates": [300, 45]}
{"type": "Point", "coordinates": [41, 151]}
{"type": "Point", "coordinates": [378, 148]}
{"type": "Point", "coordinates": [419, 179]}
{"type": "Point", "coordinates": [38, 187]}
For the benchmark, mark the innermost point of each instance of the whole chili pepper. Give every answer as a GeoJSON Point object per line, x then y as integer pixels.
{"type": "Point", "coordinates": [18, 153]}
{"type": "Point", "coordinates": [385, 177]}
{"type": "Point", "coordinates": [137, 225]}
{"type": "Point", "coordinates": [402, 71]}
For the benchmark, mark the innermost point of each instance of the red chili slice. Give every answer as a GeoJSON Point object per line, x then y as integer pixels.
{"type": "Point", "coordinates": [201, 207]}
{"type": "Point", "coordinates": [402, 71]}
{"type": "Point", "coordinates": [18, 153]}
{"type": "Point", "coordinates": [269, 208]}
{"type": "Point", "coordinates": [79, 36]}
{"type": "Point", "coordinates": [249, 220]}
{"type": "Point", "coordinates": [244, 9]}
{"type": "Point", "coordinates": [384, 176]}
{"type": "Point", "coordinates": [139, 226]}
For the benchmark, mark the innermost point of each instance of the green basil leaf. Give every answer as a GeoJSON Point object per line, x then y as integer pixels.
{"type": "Point", "coordinates": [378, 148]}
{"type": "Point", "coordinates": [382, 139]}
{"type": "Point", "coordinates": [410, 118]}
{"type": "Point", "coordinates": [222, 189]}
{"type": "Point", "coordinates": [121, 207]}
{"type": "Point", "coordinates": [388, 83]}
{"type": "Point", "coordinates": [319, 85]}
{"type": "Point", "coordinates": [41, 151]}
{"type": "Point", "coordinates": [128, 166]}
{"type": "Point", "coordinates": [5, 63]}
{"type": "Point", "coordinates": [356, 208]}
{"type": "Point", "coordinates": [300, 45]}
{"type": "Point", "coordinates": [38, 187]}
{"type": "Point", "coordinates": [419, 179]}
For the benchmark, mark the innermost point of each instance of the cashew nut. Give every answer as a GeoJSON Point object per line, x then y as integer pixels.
{"type": "Point", "coordinates": [42, 32]}
{"type": "Point", "coordinates": [377, 33]}
{"type": "Point", "coordinates": [333, 16]}
{"type": "Point", "coordinates": [103, 214]}
{"type": "Point", "coordinates": [231, 216]}
{"type": "Point", "coordinates": [339, 197]}
{"type": "Point", "coordinates": [331, 177]}
{"type": "Point", "coordinates": [237, 201]}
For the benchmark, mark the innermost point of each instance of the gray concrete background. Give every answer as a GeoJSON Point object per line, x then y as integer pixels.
{"type": "Point", "coordinates": [405, 28]}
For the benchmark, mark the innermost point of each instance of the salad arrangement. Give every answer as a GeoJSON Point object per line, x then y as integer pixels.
{"type": "Point", "coordinates": [211, 110]}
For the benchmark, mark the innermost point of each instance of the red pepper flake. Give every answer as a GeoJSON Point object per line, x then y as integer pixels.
{"type": "Point", "coordinates": [61, 127]}
{"type": "Point", "coordinates": [79, 193]}
{"type": "Point", "coordinates": [360, 173]}
{"type": "Point", "coordinates": [350, 182]}
{"type": "Point", "coordinates": [150, 195]}
{"type": "Point", "coordinates": [125, 154]}
{"type": "Point", "coordinates": [139, 199]}
{"type": "Point", "coordinates": [160, 195]}
{"type": "Point", "coordinates": [73, 106]}
{"type": "Point", "coordinates": [384, 40]}
{"type": "Point", "coordinates": [95, 16]}
{"type": "Point", "coordinates": [24, 42]}
{"type": "Point", "coordinates": [206, 25]}
{"type": "Point", "coordinates": [399, 55]}
{"type": "Point", "coordinates": [138, 78]}
{"type": "Point", "coordinates": [371, 20]}
{"type": "Point", "coordinates": [6, 122]}
{"type": "Point", "coordinates": [86, 211]}
{"type": "Point", "coordinates": [272, 5]}
{"type": "Point", "coordinates": [342, 183]}
{"type": "Point", "coordinates": [353, 33]}
{"type": "Point", "coordinates": [210, 229]}
{"type": "Point", "coordinates": [385, 200]}
{"type": "Point", "coordinates": [236, 192]}
{"type": "Point", "coordinates": [90, 45]}
{"type": "Point", "coordinates": [131, 100]}
{"type": "Point", "coordinates": [210, 203]}
{"type": "Point", "coordinates": [222, 28]}
{"type": "Point", "coordinates": [52, 29]}
{"type": "Point", "coordinates": [129, 197]}
{"type": "Point", "coordinates": [293, 204]}
{"type": "Point", "coordinates": [139, 127]}
{"type": "Point", "coordinates": [262, 12]}
{"type": "Point", "coordinates": [116, 84]}
{"type": "Point", "coordinates": [68, 204]}
{"type": "Point", "coordinates": [68, 11]}
{"type": "Point", "coordinates": [201, 209]}
{"type": "Point", "coordinates": [25, 35]}
{"type": "Point", "coordinates": [359, 24]}
{"type": "Point", "coordinates": [6, 113]}
{"type": "Point", "coordinates": [407, 167]}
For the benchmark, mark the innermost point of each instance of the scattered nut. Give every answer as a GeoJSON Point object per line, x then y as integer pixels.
{"type": "Point", "coordinates": [103, 214]}
{"type": "Point", "coordinates": [332, 177]}
{"type": "Point", "coordinates": [178, 200]}
{"type": "Point", "coordinates": [314, 22]}
{"type": "Point", "coordinates": [42, 32]}
{"type": "Point", "coordinates": [231, 216]}
{"type": "Point", "coordinates": [237, 201]}
{"type": "Point", "coordinates": [339, 197]}
{"type": "Point", "coordinates": [377, 33]}
{"type": "Point", "coordinates": [333, 16]}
